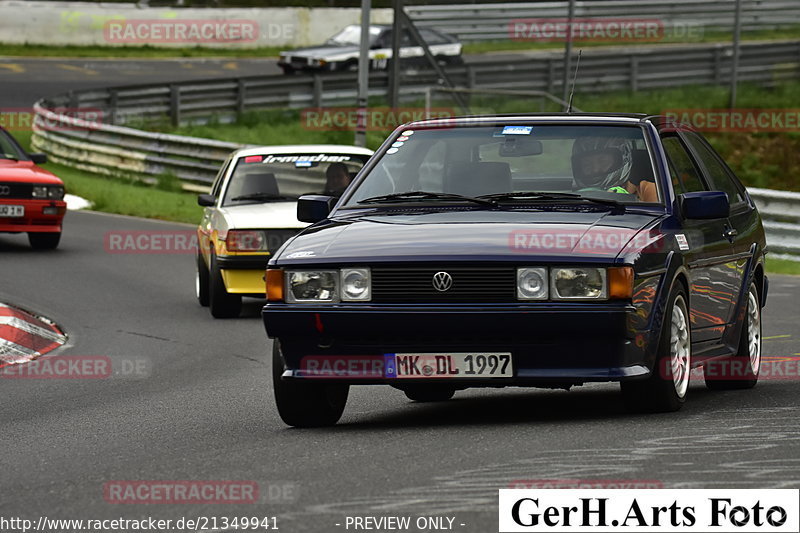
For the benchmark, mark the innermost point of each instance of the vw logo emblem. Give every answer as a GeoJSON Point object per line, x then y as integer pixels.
{"type": "Point", "coordinates": [442, 281]}
{"type": "Point", "coordinates": [5, 190]}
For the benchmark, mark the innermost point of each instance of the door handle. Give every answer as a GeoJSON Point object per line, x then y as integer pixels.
{"type": "Point", "coordinates": [730, 234]}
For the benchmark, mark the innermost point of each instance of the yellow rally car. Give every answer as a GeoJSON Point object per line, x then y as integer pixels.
{"type": "Point", "coordinates": [252, 210]}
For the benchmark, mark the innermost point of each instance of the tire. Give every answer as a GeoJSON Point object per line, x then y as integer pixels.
{"type": "Point", "coordinates": [429, 393]}
{"type": "Point", "coordinates": [222, 304]}
{"type": "Point", "coordinates": [201, 282]}
{"type": "Point", "coordinates": [722, 374]}
{"type": "Point", "coordinates": [665, 390]}
{"type": "Point", "coordinates": [304, 404]}
{"type": "Point", "coordinates": [44, 241]}
{"type": "Point", "coordinates": [288, 71]}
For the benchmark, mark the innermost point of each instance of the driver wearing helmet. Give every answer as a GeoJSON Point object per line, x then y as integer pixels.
{"type": "Point", "coordinates": [611, 164]}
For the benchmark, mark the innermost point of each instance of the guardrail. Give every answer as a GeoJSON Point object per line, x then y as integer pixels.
{"type": "Point", "coordinates": [482, 22]}
{"type": "Point", "coordinates": [780, 212]}
{"type": "Point", "coordinates": [120, 151]}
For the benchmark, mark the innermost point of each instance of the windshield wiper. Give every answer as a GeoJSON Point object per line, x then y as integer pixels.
{"type": "Point", "coordinates": [425, 195]}
{"type": "Point", "coordinates": [259, 196]}
{"type": "Point", "coordinates": [540, 195]}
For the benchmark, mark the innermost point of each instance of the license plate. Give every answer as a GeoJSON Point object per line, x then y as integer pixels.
{"type": "Point", "coordinates": [12, 211]}
{"type": "Point", "coordinates": [451, 365]}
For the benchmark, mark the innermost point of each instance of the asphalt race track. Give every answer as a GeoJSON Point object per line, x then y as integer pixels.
{"type": "Point", "coordinates": [23, 80]}
{"type": "Point", "coordinates": [199, 407]}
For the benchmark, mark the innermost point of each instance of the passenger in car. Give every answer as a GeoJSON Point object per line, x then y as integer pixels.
{"type": "Point", "coordinates": [337, 178]}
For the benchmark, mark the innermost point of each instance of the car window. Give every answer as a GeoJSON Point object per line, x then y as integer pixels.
{"type": "Point", "coordinates": [8, 149]}
{"type": "Point", "coordinates": [683, 172]}
{"type": "Point", "coordinates": [588, 160]}
{"type": "Point", "coordinates": [260, 178]}
{"type": "Point", "coordinates": [431, 37]}
{"type": "Point", "coordinates": [718, 175]}
{"type": "Point", "coordinates": [215, 188]}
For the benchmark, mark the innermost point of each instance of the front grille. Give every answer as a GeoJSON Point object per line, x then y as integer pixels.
{"type": "Point", "coordinates": [15, 190]}
{"type": "Point", "coordinates": [414, 284]}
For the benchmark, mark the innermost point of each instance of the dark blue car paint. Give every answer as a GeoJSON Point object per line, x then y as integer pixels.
{"type": "Point", "coordinates": [554, 343]}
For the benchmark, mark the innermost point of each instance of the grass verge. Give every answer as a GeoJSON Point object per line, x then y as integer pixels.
{"type": "Point", "coordinates": [782, 266]}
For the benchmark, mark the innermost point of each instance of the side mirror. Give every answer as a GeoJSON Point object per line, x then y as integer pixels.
{"type": "Point", "coordinates": [704, 205]}
{"type": "Point", "coordinates": [313, 208]}
{"type": "Point", "coordinates": [39, 159]}
{"type": "Point", "coordinates": [206, 200]}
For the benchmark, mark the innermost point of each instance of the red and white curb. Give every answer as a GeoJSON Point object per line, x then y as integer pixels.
{"type": "Point", "coordinates": [24, 337]}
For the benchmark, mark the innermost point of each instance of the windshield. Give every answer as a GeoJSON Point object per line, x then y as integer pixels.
{"type": "Point", "coordinates": [351, 35]}
{"type": "Point", "coordinates": [8, 149]}
{"type": "Point", "coordinates": [605, 162]}
{"type": "Point", "coordinates": [275, 177]}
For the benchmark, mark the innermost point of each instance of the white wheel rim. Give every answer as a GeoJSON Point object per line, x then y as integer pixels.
{"type": "Point", "coordinates": [679, 348]}
{"type": "Point", "coordinates": [197, 285]}
{"type": "Point", "coordinates": [754, 332]}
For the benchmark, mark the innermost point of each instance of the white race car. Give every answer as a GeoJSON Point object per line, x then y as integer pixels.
{"type": "Point", "coordinates": [252, 210]}
{"type": "Point", "coordinates": [341, 51]}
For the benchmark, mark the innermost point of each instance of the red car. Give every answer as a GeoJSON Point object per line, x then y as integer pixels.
{"type": "Point", "coordinates": [31, 198]}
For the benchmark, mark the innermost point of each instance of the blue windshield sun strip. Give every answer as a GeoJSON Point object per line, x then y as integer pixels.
{"type": "Point", "coordinates": [517, 130]}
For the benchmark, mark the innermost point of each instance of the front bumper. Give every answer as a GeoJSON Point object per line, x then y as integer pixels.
{"type": "Point", "coordinates": [244, 274]}
{"type": "Point", "coordinates": [550, 343]}
{"type": "Point", "coordinates": [34, 220]}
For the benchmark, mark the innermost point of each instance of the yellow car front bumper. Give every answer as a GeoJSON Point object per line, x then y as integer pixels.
{"type": "Point", "coordinates": [239, 281]}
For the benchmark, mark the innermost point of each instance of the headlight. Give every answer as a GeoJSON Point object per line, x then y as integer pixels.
{"type": "Point", "coordinates": [246, 241]}
{"type": "Point", "coordinates": [532, 283]}
{"type": "Point", "coordinates": [578, 283]}
{"type": "Point", "coordinates": [51, 192]}
{"type": "Point", "coordinates": [356, 284]}
{"type": "Point", "coordinates": [55, 193]}
{"type": "Point", "coordinates": [311, 286]}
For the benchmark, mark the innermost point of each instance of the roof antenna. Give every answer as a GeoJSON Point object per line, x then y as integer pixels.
{"type": "Point", "coordinates": [574, 79]}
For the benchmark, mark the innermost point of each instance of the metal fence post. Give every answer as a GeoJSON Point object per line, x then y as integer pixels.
{"type": "Point", "coordinates": [471, 81]}
{"type": "Point", "coordinates": [316, 98]}
{"type": "Point", "coordinates": [241, 96]}
{"type": "Point", "coordinates": [175, 105]}
{"type": "Point", "coordinates": [113, 99]}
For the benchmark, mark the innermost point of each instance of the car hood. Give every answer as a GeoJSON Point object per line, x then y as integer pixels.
{"type": "Point", "coordinates": [262, 216]}
{"type": "Point", "coordinates": [467, 235]}
{"type": "Point", "coordinates": [25, 172]}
